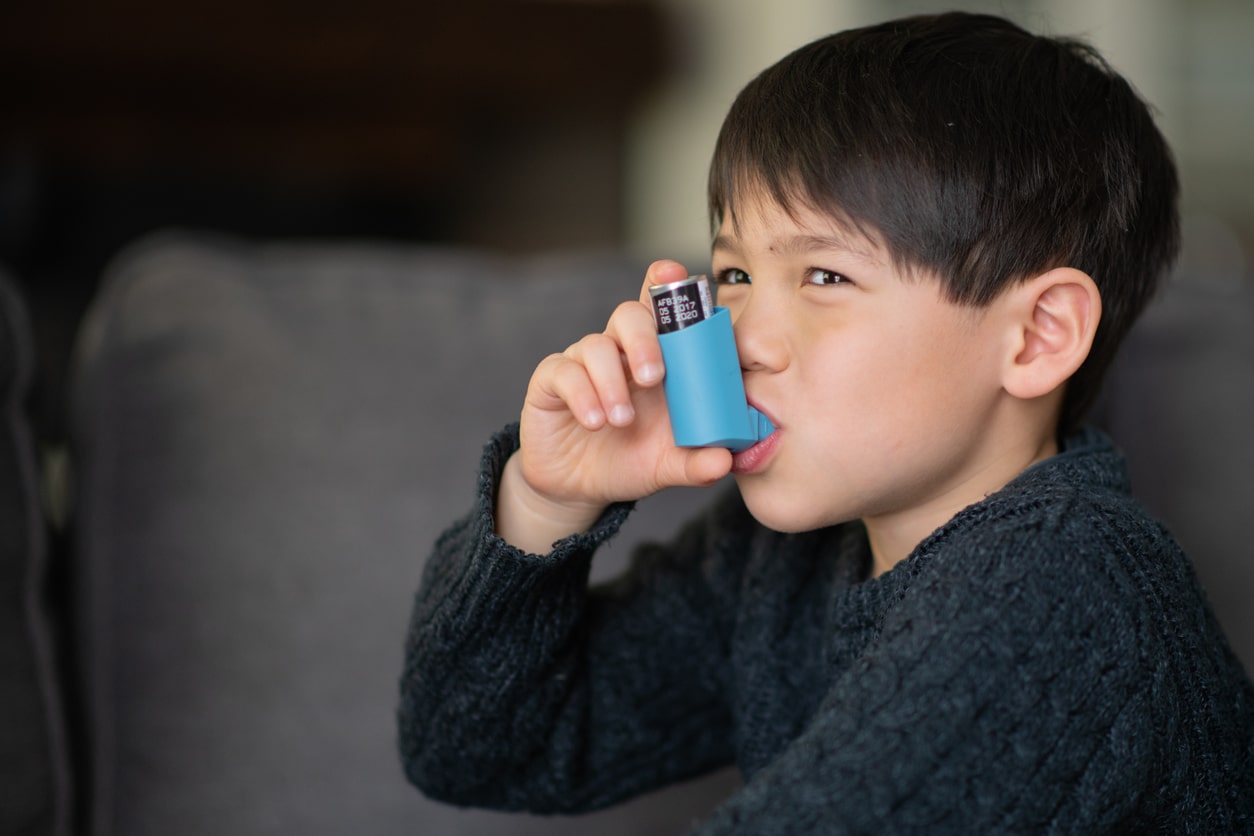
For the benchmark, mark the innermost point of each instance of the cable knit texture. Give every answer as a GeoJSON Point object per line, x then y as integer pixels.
{"type": "Point", "coordinates": [1044, 662]}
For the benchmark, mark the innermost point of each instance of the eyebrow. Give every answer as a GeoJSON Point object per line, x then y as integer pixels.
{"type": "Point", "coordinates": [800, 244]}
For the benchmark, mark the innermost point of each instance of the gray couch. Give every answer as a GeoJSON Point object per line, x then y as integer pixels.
{"type": "Point", "coordinates": [267, 438]}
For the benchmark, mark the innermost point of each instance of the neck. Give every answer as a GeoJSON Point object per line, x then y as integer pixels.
{"type": "Point", "coordinates": [894, 536]}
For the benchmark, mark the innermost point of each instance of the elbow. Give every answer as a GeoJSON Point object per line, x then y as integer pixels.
{"type": "Point", "coordinates": [445, 767]}
{"type": "Point", "coordinates": [426, 765]}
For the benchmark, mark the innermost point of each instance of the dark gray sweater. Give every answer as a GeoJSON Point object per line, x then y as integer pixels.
{"type": "Point", "coordinates": [1044, 662]}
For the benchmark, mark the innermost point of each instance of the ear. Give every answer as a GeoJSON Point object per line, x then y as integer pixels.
{"type": "Point", "coordinates": [1053, 318]}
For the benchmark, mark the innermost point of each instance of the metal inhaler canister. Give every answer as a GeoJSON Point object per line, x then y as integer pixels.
{"type": "Point", "coordinates": [705, 393]}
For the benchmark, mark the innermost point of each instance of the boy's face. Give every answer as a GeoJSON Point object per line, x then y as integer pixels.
{"type": "Point", "coordinates": [884, 393]}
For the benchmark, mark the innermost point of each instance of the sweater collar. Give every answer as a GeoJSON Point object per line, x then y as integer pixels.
{"type": "Point", "coordinates": [1086, 458]}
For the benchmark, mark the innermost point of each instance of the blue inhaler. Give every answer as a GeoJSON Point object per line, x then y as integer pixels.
{"type": "Point", "coordinates": [704, 389]}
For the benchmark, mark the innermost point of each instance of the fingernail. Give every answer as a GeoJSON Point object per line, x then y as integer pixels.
{"type": "Point", "coordinates": [621, 414]}
{"type": "Point", "coordinates": [650, 373]}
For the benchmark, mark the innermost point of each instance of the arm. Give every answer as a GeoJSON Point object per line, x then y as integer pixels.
{"type": "Point", "coordinates": [522, 689]}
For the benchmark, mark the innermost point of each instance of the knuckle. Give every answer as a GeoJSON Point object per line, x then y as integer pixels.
{"type": "Point", "coordinates": [592, 344]}
{"type": "Point", "coordinates": [550, 368]}
{"type": "Point", "coordinates": [568, 371]}
{"type": "Point", "coordinates": [630, 308]}
{"type": "Point", "coordinates": [552, 361]}
{"type": "Point", "coordinates": [629, 317]}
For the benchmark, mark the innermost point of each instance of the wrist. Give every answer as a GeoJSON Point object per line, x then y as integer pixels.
{"type": "Point", "coordinates": [533, 522]}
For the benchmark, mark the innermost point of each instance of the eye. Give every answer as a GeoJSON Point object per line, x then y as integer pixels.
{"type": "Point", "coordinates": [818, 276]}
{"type": "Point", "coordinates": [732, 275]}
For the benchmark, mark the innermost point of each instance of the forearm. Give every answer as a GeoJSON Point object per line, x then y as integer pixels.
{"type": "Point", "coordinates": [489, 639]}
{"type": "Point", "coordinates": [485, 669]}
{"type": "Point", "coordinates": [523, 689]}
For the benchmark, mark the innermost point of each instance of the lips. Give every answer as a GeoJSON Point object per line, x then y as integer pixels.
{"type": "Point", "coordinates": [754, 459]}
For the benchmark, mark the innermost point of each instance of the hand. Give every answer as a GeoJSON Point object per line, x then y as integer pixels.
{"type": "Point", "coordinates": [595, 430]}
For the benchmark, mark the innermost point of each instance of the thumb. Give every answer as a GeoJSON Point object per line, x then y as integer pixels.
{"type": "Point", "coordinates": [693, 467]}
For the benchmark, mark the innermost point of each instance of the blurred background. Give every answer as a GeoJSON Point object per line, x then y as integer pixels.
{"type": "Point", "coordinates": [516, 125]}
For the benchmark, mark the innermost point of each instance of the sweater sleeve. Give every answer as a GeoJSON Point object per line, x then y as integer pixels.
{"type": "Point", "coordinates": [1007, 692]}
{"type": "Point", "coordinates": [523, 689]}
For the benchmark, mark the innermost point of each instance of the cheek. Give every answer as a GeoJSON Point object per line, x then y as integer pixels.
{"type": "Point", "coordinates": [871, 365]}
{"type": "Point", "coordinates": [896, 376]}
{"type": "Point", "coordinates": [954, 373]}
{"type": "Point", "coordinates": [732, 297]}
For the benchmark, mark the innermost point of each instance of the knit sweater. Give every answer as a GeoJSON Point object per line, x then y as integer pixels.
{"type": "Point", "coordinates": [1044, 662]}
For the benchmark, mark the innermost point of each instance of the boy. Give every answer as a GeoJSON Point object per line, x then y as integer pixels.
{"type": "Point", "coordinates": [932, 605]}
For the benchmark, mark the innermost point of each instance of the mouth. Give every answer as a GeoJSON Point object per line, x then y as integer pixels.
{"type": "Point", "coordinates": [754, 459]}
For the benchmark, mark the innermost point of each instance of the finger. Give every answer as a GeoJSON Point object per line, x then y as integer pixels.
{"type": "Point", "coordinates": [661, 272]}
{"type": "Point", "coordinates": [601, 356]}
{"type": "Point", "coordinates": [633, 329]}
{"type": "Point", "coordinates": [563, 383]}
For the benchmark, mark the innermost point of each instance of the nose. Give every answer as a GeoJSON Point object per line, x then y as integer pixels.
{"type": "Point", "coordinates": [758, 323]}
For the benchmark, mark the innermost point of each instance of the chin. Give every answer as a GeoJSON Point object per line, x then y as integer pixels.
{"type": "Point", "coordinates": [778, 513]}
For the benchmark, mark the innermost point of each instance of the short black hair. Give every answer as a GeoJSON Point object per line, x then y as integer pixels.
{"type": "Point", "coordinates": [972, 148]}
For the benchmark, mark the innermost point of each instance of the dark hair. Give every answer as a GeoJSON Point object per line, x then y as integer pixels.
{"type": "Point", "coordinates": [972, 148]}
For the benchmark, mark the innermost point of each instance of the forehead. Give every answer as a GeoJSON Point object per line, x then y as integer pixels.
{"type": "Point", "coordinates": [760, 221]}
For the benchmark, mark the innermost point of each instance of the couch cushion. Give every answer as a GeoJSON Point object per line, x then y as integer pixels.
{"type": "Point", "coordinates": [269, 439]}
{"type": "Point", "coordinates": [34, 758]}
